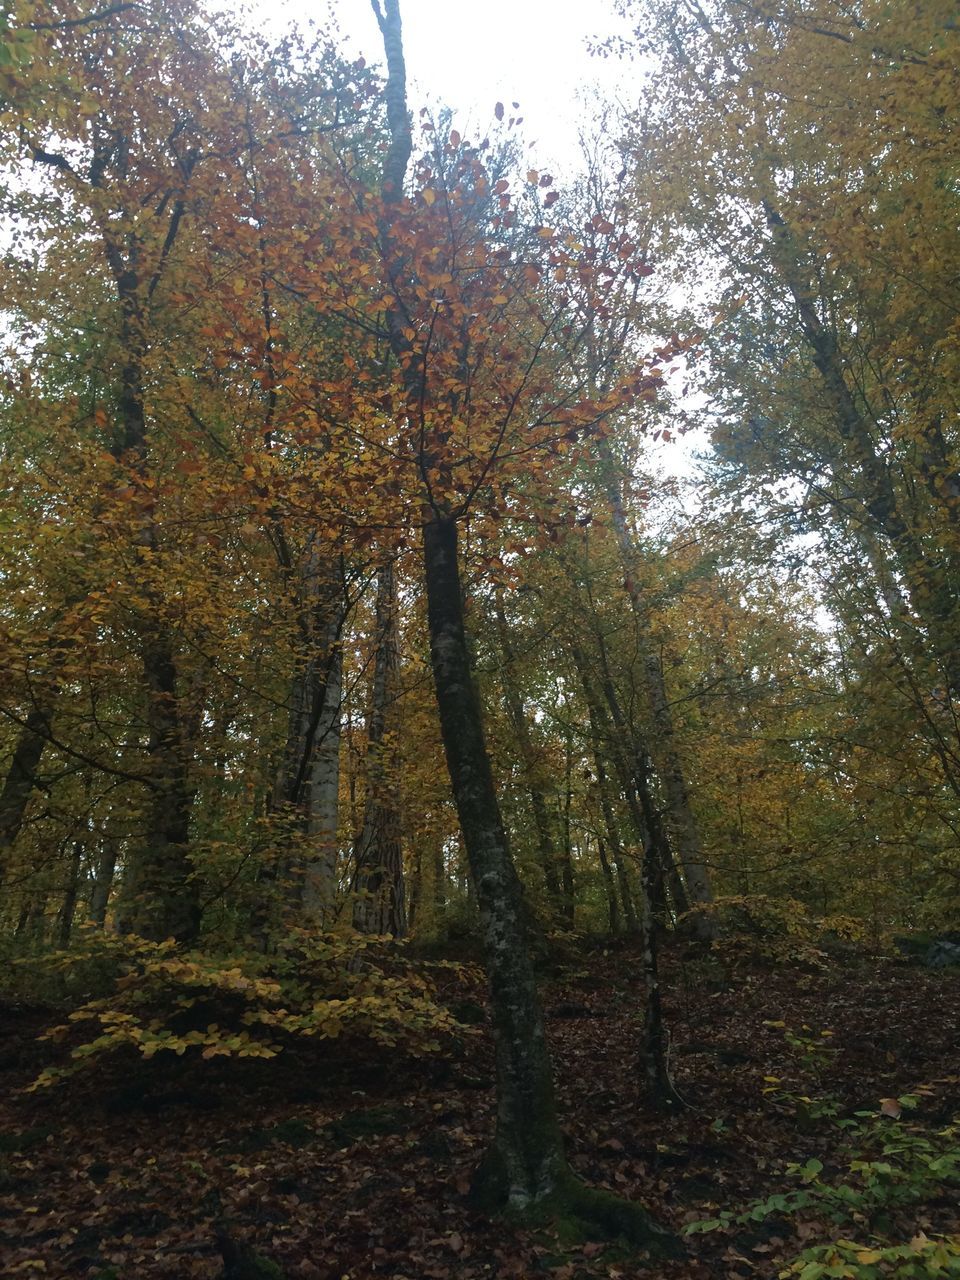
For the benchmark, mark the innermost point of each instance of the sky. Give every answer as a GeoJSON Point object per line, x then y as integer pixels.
{"type": "Point", "coordinates": [534, 52]}
{"type": "Point", "coordinates": [470, 56]}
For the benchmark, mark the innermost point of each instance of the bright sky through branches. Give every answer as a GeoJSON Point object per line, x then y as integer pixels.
{"type": "Point", "coordinates": [468, 57]}
{"type": "Point", "coordinates": [534, 52]}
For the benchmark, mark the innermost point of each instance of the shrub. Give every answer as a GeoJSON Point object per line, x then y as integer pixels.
{"type": "Point", "coordinates": [166, 1001]}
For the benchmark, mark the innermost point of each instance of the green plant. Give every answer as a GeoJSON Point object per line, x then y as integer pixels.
{"type": "Point", "coordinates": [889, 1164]}
{"type": "Point", "coordinates": [812, 1049]}
{"type": "Point", "coordinates": [923, 1256]}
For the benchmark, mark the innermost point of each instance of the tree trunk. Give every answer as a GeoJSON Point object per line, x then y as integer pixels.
{"type": "Point", "coordinates": [654, 1055]}
{"type": "Point", "coordinates": [379, 907]}
{"type": "Point", "coordinates": [103, 881]}
{"type": "Point", "coordinates": [301, 882]}
{"type": "Point", "coordinates": [613, 907]}
{"type": "Point", "coordinates": [932, 587]}
{"type": "Point", "coordinates": [611, 825]}
{"type": "Point", "coordinates": [528, 1145]}
{"type": "Point", "coordinates": [521, 732]}
{"type": "Point", "coordinates": [161, 895]}
{"type": "Point", "coordinates": [568, 899]}
{"type": "Point", "coordinates": [318, 875]}
{"type": "Point", "coordinates": [70, 894]}
{"type": "Point", "coordinates": [527, 1166]}
{"type": "Point", "coordinates": [20, 781]}
{"type": "Point", "coordinates": [680, 816]}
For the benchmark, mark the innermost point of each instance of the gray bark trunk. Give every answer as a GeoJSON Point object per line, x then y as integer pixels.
{"type": "Point", "coordinates": [380, 907]}
{"type": "Point", "coordinates": [20, 781]}
{"type": "Point", "coordinates": [103, 881]}
{"type": "Point", "coordinates": [528, 1145]}
{"type": "Point", "coordinates": [680, 817]}
{"type": "Point", "coordinates": [546, 848]}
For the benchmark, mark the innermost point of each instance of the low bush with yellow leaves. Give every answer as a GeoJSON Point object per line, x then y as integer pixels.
{"type": "Point", "coordinates": [164, 1000]}
{"type": "Point", "coordinates": [923, 1256]}
{"type": "Point", "coordinates": [753, 929]}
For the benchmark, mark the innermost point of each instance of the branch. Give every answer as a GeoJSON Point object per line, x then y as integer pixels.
{"type": "Point", "coordinates": [81, 22]}
{"type": "Point", "coordinates": [55, 161]}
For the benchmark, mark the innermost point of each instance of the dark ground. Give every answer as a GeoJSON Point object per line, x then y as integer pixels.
{"type": "Point", "coordinates": [337, 1161]}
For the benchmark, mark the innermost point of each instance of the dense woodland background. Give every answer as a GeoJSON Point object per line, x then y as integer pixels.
{"type": "Point", "coordinates": [311, 423]}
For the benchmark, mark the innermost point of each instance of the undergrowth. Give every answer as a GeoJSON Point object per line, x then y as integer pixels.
{"type": "Point", "coordinates": [883, 1166]}
{"type": "Point", "coordinates": [153, 998]}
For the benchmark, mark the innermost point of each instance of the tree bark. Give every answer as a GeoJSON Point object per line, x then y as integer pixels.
{"type": "Point", "coordinates": [70, 894]}
{"type": "Point", "coordinates": [680, 816]}
{"type": "Point", "coordinates": [654, 1042]}
{"type": "Point", "coordinates": [528, 1145]}
{"type": "Point", "coordinates": [21, 780]}
{"type": "Point", "coordinates": [613, 907]}
{"type": "Point", "coordinates": [521, 731]}
{"type": "Point", "coordinates": [931, 586]}
{"type": "Point", "coordinates": [161, 895]}
{"type": "Point", "coordinates": [103, 881]}
{"type": "Point", "coordinates": [527, 1167]}
{"type": "Point", "coordinates": [318, 879]}
{"type": "Point", "coordinates": [379, 907]}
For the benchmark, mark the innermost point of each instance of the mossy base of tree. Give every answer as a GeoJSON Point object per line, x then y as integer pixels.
{"type": "Point", "coordinates": [576, 1212]}
{"type": "Point", "coordinates": [240, 1262]}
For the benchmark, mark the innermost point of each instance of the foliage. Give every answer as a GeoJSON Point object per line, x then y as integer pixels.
{"type": "Point", "coordinates": [922, 1256]}
{"type": "Point", "coordinates": [170, 1001]}
{"type": "Point", "coordinates": [758, 929]}
{"type": "Point", "coordinates": [884, 1165]}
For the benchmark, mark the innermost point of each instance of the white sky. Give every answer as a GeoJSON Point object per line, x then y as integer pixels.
{"type": "Point", "coordinates": [470, 56]}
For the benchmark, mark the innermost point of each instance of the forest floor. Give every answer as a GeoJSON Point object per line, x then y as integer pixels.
{"type": "Point", "coordinates": [346, 1162]}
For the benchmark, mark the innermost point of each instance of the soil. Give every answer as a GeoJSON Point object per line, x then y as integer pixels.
{"type": "Point", "coordinates": [340, 1160]}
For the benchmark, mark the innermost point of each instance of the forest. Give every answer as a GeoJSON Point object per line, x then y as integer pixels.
{"type": "Point", "coordinates": [479, 653]}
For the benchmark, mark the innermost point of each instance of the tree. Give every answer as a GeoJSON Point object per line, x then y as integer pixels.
{"type": "Point", "coordinates": [825, 207]}
{"type": "Point", "coordinates": [462, 411]}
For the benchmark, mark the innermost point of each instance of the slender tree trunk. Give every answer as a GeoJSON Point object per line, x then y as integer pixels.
{"type": "Point", "coordinates": [103, 881]}
{"type": "Point", "coordinates": [21, 780]}
{"type": "Point", "coordinates": [318, 874]}
{"type": "Point", "coordinates": [528, 1145]}
{"type": "Point", "coordinates": [379, 907]}
{"type": "Point", "coordinates": [681, 819]}
{"type": "Point", "coordinates": [416, 888]}
{"type": "Point", "coordinates": [161, 895]}
{"type": "Point", "coordinates": [568, 899]}
{"type": "Point", "coordinates": [70, 894]}
{"type": "Point", "coordinates": [633, 767]}
{"type": "Point", "coordinates": [549, 862]}
{"type": "Point", "coordinates": [613, 907]}
{"type": "Point", "coordinates": [654, 1041]}
{"type": "Point", "coordinates": [527, 1161]}
{"type": "Point", "coordinates": [932, 586]}
{"type": "Point", "coordinates": [616, 848]}
{"type": "Point", "coordinates": [301, 881]}
{"type": "Point", "coordinates": [439, 880]}
{"type": "Point", "coordinates": [611, 825]}
{"type": "Point", "coordinates": [527, 1164]}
